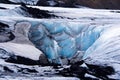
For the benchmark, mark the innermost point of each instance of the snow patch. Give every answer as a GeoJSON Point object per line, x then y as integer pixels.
{"type": "Point", "coordinates": [22, 50]}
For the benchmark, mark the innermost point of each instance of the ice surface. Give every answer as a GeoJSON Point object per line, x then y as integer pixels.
{"type": "Point", "coordinates": [70, 37]}
{"type": "Point", "coordinates": [93, 32]}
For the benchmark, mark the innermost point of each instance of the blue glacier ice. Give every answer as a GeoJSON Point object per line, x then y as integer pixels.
{"type": "Point", "coordinates": [89, 34]}
{"type": "Point", "coordinates": [59, 40]}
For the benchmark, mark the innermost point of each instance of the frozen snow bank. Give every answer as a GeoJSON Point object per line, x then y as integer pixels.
{"type": "Point", "coordinates": [22, 50]}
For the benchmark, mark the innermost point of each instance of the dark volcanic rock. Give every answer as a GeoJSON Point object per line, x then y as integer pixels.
{"type": "Point", "coordinates": [2, 25]}
{"type": "Point", "coordinates": [7, 69]}
{"type": "Point", "coordinates": [100, 71]}
{"type": "Point", "coordinates": [26, 61]}
{"type": "Point", "coordinates": [76, 70]}
{"type": "Point", "coordinates": [11, 58]}
{"type": "Point", "coordinates": [36, 13]}
{"type": "Point", "coordinates": [43, 3]}
{"type": "Point", "coordinates": [5, 33]}
{"type": "Point", "coordinates": [43, 60]}
{"type": "Point", "coordinates": [2, 8]}
{"type": "Point", "coordinates": [22, 60]}
{"type": "Point", "coordinates": [6, 1]}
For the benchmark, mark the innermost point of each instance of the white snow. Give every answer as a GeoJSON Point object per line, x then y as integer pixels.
{"type": "Point", "coordinates": [38, 78]}
{"type": "Point", "coordinates": [105, 50]}
{"type": "Point", "coordinates": [9, 6]}
{"type": "Point", "coordinates": [22, 50]}
{"type": "Point", "coordinates": [77, 13]}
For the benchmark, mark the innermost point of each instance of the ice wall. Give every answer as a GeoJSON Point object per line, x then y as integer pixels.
{"type": "Point", "coordinates": [65, 39]}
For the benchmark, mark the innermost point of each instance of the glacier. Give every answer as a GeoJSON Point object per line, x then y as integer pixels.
{"type": "Point", "coordinates": [69, 38]}
{"type": "Point", "coordinates": [84, 34]}
{"type": "Point", "coordinates": [94, 43]}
